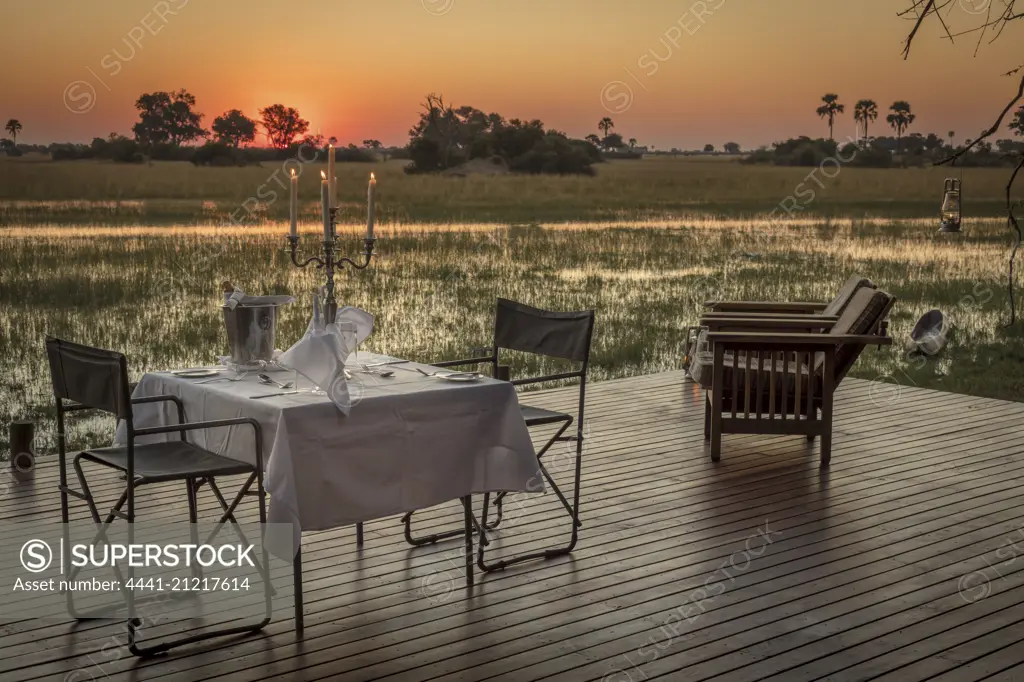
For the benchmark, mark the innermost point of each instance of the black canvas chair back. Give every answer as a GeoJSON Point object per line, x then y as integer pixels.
{"type": "Point", "coordinates": [91, 377]}
{"type": "Point", "coordinates": [555, 334]}
{"type": "Point", "coordinates": [845, 294]}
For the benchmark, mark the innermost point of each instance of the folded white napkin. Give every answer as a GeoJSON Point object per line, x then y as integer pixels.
{"type": "Point", "coordinates": [361, 320]}
{"type": "Point", "coordinates": [320, 354]}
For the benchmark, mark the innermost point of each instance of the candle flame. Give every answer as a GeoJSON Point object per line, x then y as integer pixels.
{"type": "Point", "coordinates": [372, 177]}
{"type": "Point", "coordinates": [293, 172]}
{"type": "Point", "coordinates": [323, 175]}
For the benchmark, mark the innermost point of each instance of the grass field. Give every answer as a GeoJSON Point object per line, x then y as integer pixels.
{"type": "Point", "coordinates": [153, 292]}
{"type": "Point", "coordinates": [131, 258]}
{"type": "Point", "coordinates": [88, 193]}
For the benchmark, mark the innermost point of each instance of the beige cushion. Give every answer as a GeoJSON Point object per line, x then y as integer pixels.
{"type": "Point", "coordinates": [702, 371]}
{"type": "Point", "coordinates": [862, 316]}
{"type": "Point", "coordinates": [838, 304]}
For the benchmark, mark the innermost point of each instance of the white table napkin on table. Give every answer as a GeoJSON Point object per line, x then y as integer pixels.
{"type": "Point", "coordinates": [320, 354]}
{"type": "Point", "coordinates": [361, 320]}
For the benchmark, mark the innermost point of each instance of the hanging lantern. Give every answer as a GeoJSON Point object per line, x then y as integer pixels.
{"type": "Point", "coordinates": [951, 206]}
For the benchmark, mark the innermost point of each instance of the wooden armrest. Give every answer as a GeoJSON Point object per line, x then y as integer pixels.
{"type": "Point", "coordinates": [780, 340]}
{"type": "Point", "coordinates": [767, 323]}
{"type": "Point", "coordinates": [714, 315]}
{"type": "Point", "coordinates": [766, 306]}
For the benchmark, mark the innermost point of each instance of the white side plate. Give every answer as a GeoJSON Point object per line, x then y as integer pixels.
{"type": "Point", "coordinates": [459, 376]}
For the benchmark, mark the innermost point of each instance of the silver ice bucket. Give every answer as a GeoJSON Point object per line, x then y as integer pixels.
{"type": "Point", "coordinates": [250, 332]}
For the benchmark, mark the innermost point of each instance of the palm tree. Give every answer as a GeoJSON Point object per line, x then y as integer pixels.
{"type": "Point", "coordinates": [829, 109]}
{"type": "Point", "coordinates": [864, 111]}
{"type": "Point", "coordinates": [13, 127]}
{"type": "Point", "coordinates": [951, 134]}
{"type": "Point", "coordinates": [605, 125]}
{"type": "Point", "coordinates": [900, 119]}
{"type": "Point", "coordinates": [632, 142]}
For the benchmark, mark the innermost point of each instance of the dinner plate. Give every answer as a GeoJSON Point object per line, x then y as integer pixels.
{"type": "Point", "coordinates": [195, 373]}
{"type": "Point", "coordinates": [460, 376]}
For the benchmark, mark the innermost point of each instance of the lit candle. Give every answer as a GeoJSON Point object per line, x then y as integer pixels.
{"type": "Point", "coordinates": [325, 205]}
{"type": "Point", "coordinates": [370, 191]}
{"type": "Point", "coordinates": [332, 179]}
{"type": "Point", "coordinates": [294, 205]}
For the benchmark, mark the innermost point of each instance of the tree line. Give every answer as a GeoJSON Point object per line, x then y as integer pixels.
{"type": "Point", "coordinates": [899, 118]}
{"type": "Point", "coordinates": [169, 127]}
{"type": "Point", "coordinates": [883, 151]}
{"type": "Point", "coordinates": [445, 136]}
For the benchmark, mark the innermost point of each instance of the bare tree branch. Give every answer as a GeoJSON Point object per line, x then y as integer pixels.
{"type": "Point", "coordinates": [922, 9]}
{"type": "Point", "coordinates": [929, 6]}
{"type": "Point", "coordinates": [1012, 220]}
{"type": "Point", "coordinates": [987, 133]}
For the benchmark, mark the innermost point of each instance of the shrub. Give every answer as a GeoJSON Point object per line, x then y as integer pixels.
{"type": "Point", "coordinates": [68, 152]}
{"type": "Point", "coordinates": [869, 157]}
{"type": "Point", "coordinates": [759, 156]}
{"type": "Point", "coordinates": [427, 157]}
{"type": "Point", "coordinates": [218, 154]}
{"type": "Point", "coordinates": [555, 154]}
{"type": "Point", "coordinates": [398, 153]}
{"type": "Point", "coordinates": [169, 152]}
{"type": "Point", "coordinates": [446, 137]}
{"type": "Point", "coordinates": [354, 153]}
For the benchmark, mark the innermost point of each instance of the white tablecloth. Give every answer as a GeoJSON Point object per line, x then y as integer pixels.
{"type": "Point", "coordinates": [410, 442]}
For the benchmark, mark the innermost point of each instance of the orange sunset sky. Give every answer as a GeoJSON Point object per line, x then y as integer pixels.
{"type": "Point", "coordinates": [750, 71]}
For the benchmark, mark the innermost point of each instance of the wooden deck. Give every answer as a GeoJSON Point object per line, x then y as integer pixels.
{"type": "Point", "coordinates": [898, 563]}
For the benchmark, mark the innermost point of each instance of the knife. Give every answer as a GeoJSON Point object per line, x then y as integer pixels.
{"type": "Point", "coordinates": [385, 364]}
{"type": "Point", "coordinates": [270, 395]}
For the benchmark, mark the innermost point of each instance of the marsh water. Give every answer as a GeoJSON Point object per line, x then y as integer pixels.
{"type": "Point", "coordinates": [154, 292]}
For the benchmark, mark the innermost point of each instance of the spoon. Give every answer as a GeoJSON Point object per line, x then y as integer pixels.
{"type": "Point", "coordinates": [264, 379]}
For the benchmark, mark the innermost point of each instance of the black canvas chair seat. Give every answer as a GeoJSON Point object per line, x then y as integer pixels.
{"type": "Point", "coordinates": [171, 461]}
{"type": "Point", "coordinates": [537, 416]}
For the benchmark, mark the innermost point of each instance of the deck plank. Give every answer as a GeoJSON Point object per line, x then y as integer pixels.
{"type": "Point", "coordinates": [860, 582]}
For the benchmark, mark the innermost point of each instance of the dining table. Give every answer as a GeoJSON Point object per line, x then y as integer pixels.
{"type": "Point", "coordinates": [415, 437]}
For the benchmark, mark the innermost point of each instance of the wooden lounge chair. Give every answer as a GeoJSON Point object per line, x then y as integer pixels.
{"type": "Point", "coordinates": [772, 376]}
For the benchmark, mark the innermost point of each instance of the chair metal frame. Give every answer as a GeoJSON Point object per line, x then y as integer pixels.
{"type": "Point", "coordinates": [121, 407]}
{"type": "Point", "coordinates": [504, 308]}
